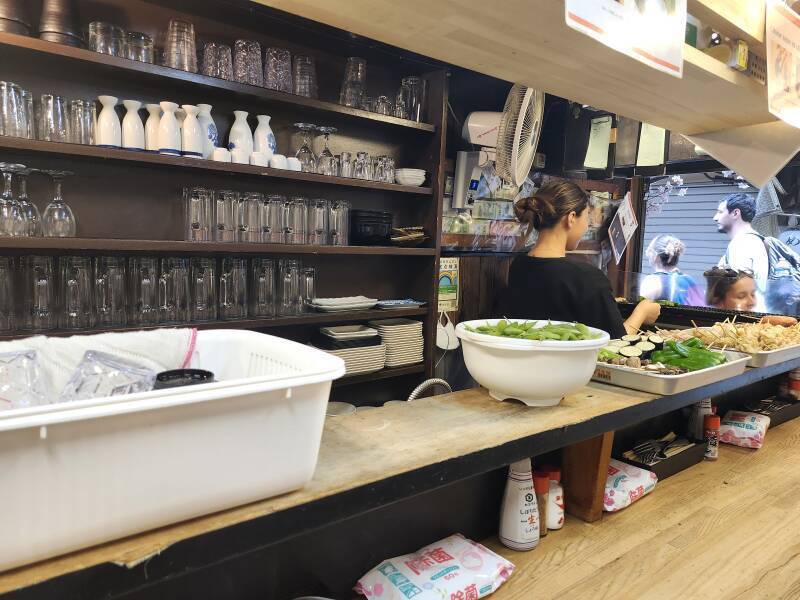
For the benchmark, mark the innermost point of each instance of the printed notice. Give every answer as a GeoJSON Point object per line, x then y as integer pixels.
{"type": "Point", "coordinates": [448, 284]}
{"type": "Point", "coordinates": [783, 62]}
{"type": "Point", "coordinates": [651, 31]}
{"type": "Point", "coordinates": [599, 139]}
{"type": "Point", "coordinates": [622, 228]}
{"type": "Point", "coordinates": [652, 141]}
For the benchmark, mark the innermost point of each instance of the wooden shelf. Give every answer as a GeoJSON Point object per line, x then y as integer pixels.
{"type": "Point", "coordinates": [180, 247]}
{"type": "Point", "coordinates": [709, 97]}
{"type": "Point", "coordinates": [384, 374]}
{"type": "Point", "coordinates": [307, 319]}
{"type": "Point", "coordinates": [35, 148]}
{"type": "Point", "coordinates": [96, 65]}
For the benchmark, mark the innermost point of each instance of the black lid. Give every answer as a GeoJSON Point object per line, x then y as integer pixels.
{"type": "Point", "coordinates": [181, 377]}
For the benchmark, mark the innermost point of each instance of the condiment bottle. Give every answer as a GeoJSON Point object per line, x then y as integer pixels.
{"type": "Point", "coordinates": [555, 499]}
{"type": "Point", "coordinates": [519, 515]}
{"type": "Point", "coordinates": [701, 409]}
{"type": "Point", "coordinates": [711, 426]}
{"type": "Point", "coordinates": [541, 483]}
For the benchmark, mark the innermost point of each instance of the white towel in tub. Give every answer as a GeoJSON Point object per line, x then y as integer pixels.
{"type": "Point", "coordinates": [158, 350]}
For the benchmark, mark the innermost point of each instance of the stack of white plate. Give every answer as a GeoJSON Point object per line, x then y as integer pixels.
{"type": "Point", "coordinates": [343, 304]}
{"type": "Point", "coordinates": [358, 361]}
{"type": "Point", "coordinates": [415, 177]}
{"type": "Point", "coordinates": [403, 339]}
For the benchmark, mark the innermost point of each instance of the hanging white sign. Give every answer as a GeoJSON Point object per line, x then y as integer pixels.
{"type": "Point", "coordinates": [783, 62]}
{"type": "Point", "coordinates": [651, 31]}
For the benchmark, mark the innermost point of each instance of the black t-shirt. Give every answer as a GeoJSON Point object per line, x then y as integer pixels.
{"type": "Point", "coordinates": [562, 290]}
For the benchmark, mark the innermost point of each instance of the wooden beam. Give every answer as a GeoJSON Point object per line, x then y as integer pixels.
{"type": "Point", "coordinates": [584, 468]}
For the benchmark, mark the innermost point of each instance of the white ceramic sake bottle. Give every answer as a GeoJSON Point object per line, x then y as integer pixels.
{"type": "Point", "coordinates": [151, 127]}
{"type": "Point", "coordinates": [191, 133]}
{"type": "Point", "coordinates": [519, 513]}
{"type": "Point", "coordinates": [240, 137]}
{"type": "Point", "coordinates": [264, 139]}
{"type": "Point", "coordinates": [169, 134]}
{"type": "Point", "coordinates": [209, 130]}
{"type": "Point", "coordinates": [109, 131]}
{"type": "Point", "coordinates": [180, 114]}
{"type": "Point", "coordinates": [132, 127]}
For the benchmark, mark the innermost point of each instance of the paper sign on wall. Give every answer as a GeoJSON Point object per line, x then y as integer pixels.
{"type": "Point", "coordinates": [651, 31]}
{"type": "Point", "coordinates": [599, 140]}
{"type": "Point", "coordinates": [622, 228]}
{"type": "Point", "coordinates": [651, 150]}
{"type": "Point", "coordinates": [783, 62]}
{"type": "Point", "coordinates": [448, 284]}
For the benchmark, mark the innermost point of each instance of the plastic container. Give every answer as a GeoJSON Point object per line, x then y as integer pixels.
{"type": "Point", "coordinates": [82, 473]}
{"type": "Point", "coordinates": [536, 373]}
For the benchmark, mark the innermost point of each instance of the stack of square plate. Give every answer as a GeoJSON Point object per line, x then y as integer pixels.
{"type": "Point", "coordinates": [343, 304]}
{"type": "Point", "coordinates": [403, 340]}
{"type": "Point", "coordinates": [358, 346]}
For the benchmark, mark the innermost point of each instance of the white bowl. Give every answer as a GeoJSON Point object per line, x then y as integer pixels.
{"type": "Point", "coordinates": [406, 171]}
{"type": "Point", "coordinates": [408, 180]}
{"type": "Point", "coordinates": [536, 373]}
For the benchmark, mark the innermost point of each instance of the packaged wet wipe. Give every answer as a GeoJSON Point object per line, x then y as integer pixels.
{"type": "Point", "coordinates": [625, 485]}
{"type": "Point", "coordinates": [454, 568]}
{"type": "Point", "coordinates": [745, 429]}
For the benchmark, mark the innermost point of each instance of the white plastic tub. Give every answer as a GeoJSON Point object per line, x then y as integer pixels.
{"type": "Point", "coordinates": [78, 474]}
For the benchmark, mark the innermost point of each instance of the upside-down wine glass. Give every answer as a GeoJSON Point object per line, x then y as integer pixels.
{"type": "Point", "coordinates": [306, 156]}
{"type": "Point", "coordinates": [31, 219]}
{"type": "Point", "coordinates": [10, 215]}
{"type": "Point", "coordinates": [58, 219]}
{"type": "Point", "coordinates": [326, 163]}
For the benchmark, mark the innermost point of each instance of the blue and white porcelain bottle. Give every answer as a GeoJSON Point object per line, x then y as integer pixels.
{"type": "Point", "coordinates": [209, 129]}
{"type": "Point", "coordinates": [241, 136]}
{"type": "Point", "coordinates": [264, 139]}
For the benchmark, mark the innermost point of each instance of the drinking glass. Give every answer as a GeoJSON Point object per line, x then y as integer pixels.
{"type": "Point", "coordinates": [362, 167]}
{"type": "Point", "coordinates": [271, 232]}
{"type": "Point", "coordinates": [109, 291]}
{"type": "Point", "coordinates": [11, 110]}
{"type": "Point", "coordinates": [389, 169]}
{"type": "Point", "coordinates": [262, 287]}
{"type": "Point", "coordinates": [306, 156]}
{"type": "Point", "coordinates": [339, 223]}
{"type": "Point", "coordinates": [354, 82]}
{"type": "Point", "coordinates": [58, 219]}
{"type": "Point", "coordinates": [233, 288]}
{"type": "Point", "coordinates": [52, 118]}
{"type": "Point", "coordinates": [180, 49]}
{"type": "Point", "coordinates": [278, 70]}
{"type": "Point", "coordinates": [11, 221]}
{"type": "Point", "coordinates": [383, 105]}
{"type": "Point", "coordinates": [143, 306]}
{"type": "Point", "coordinates": [139, 47]}
{"type": "Point", "coordinates": [75, 292]}
{"type": "Point", "coordinates": [414, 90]}
{"type": "Point", "coordinates": [307, 289]}
{"type": "Point", "coordinates": [173, 290]}
{"type": "Point", "coordinates": [22, 383]}
{"type": "Point", "coordinates": [289, 287]}
{"type": "Point", "coordinates": [203, 289]}
{"type": "Point", "coordinates": [80, 125]}
{"type": "Point", "coordinates": [345, 164]}
{"type": "Point", "coordinates": [28, 115]}
{"type": "Point", "coordinates": [317, 229]}
{"type": "Point", "coordinates": [218, 61]}
{"type": "Point", "coordinates": [38, 293]}
{"type": "Point", "coordinates": [326, 163]}
{"type": "Point", "coordinates": [400, 110]}
{"type": "Point", "coordinates": [249, 211]}
{"type": "Point", "coordinates": [107, 38]}
{"type": "Point", "coordinates": [7, 294]}
{"type": "Point", "coordinates": [304, 76]}
{"type": "Point", "coordinates": [294, 220]}
{"type": "Point", "coordinates": [99, 375]}
{"type": "Point", "coordinates": [198, 212]}
{"type": "Point", "coordinates": [225, 215]}
{"type": "Point", "coordinates": [247, 62]}
{"type": "Point", "coordinates": [367, 102]}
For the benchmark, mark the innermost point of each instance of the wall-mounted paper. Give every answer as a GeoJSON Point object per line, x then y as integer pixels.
{"type": "Point", "coordinates": [651, 146]}
{"type": "Point", "coordinates": [599, 140]}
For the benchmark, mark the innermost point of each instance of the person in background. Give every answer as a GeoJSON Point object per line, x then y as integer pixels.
{"type": "Point", "coordinates": [730, 289]}
{"type": "Point", "coordinates": [544, 284]}
{"type": "Point", "coordinates": [667, 282]}
{"type": "Point", "coordinates": [746, 250]}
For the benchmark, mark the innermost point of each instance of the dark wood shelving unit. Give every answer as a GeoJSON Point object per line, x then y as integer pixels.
{"type": "Point", "coordinates": [378, 375]}
{"type": "Point", "coordinates": [300, 320]}
{"type": "Point", "coordinates": [38, 149]}
{"type": "Point", "coordinates": [50, 245]}
{"type": "Point", "coordinates": [98, 64]}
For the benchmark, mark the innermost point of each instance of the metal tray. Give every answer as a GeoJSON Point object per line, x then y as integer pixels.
{"type": "Point", "coordinates": [666, 385]}
{"type": "Point", "coordinates": [773, 357]}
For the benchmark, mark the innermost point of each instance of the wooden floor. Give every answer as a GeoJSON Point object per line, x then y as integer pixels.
{"type": "Point", "coordinates": [724, 529]}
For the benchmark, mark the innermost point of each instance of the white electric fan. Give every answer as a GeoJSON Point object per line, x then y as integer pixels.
{"type": "Point", "coordinates": [508, 138]}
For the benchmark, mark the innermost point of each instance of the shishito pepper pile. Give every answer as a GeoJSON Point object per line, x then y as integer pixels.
{"type": "Point", "coordinates": [691, 355]}
{"type": "Point", "coordinates": [527, 330]}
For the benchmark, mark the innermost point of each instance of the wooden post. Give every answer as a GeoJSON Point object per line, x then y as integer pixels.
{"type": "Point", "coordinates": [584, 468]}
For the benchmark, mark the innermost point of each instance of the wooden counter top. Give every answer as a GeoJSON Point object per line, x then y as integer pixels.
{"type": "Point", "coordinates": [372, 458]}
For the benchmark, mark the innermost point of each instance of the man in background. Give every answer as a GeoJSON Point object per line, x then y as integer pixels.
{"type": "Point", "coordinates": [746, 250]}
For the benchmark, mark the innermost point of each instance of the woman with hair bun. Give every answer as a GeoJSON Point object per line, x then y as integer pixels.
{"type": "Point", "coordinates": [544, 284]}
{"type": "Point", "coordinates": [667, 282]}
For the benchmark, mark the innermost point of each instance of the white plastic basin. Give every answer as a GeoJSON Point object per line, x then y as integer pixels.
{"type": "Point", "coordinates": [533, 372]}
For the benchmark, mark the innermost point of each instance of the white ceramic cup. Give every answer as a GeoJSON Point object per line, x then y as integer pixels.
{"type": "Point", "coordinates": [221, 155]}
{"type": "Point", "coordinates": [240, 156]}
{"type": "Point", "coordinates": [259, 159]}
{"type": "Point", "coordinates": [278, 161]}
{"type": "Point", "coordinates": [294, 164]}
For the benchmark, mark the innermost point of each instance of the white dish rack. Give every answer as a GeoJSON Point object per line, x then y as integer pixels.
{"type": "Point", "coordinates": [78, 474]}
